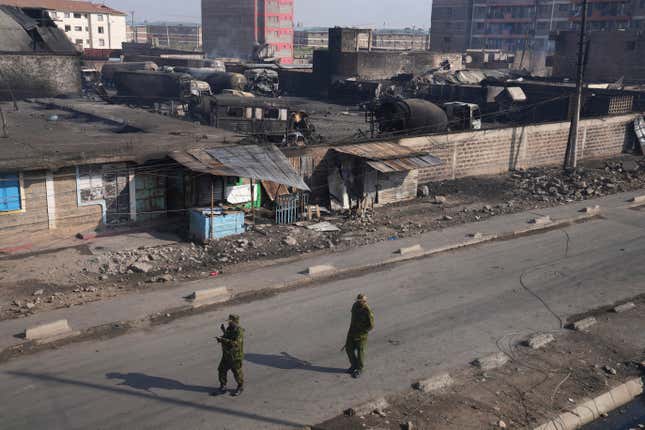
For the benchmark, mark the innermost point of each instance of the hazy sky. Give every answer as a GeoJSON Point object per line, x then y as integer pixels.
{"type": "Point", "coordinates": [376, 13]}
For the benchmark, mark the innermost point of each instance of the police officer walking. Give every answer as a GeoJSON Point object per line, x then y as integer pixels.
{"type": "Point", "coordinates": [232, 342]}
{"type": "Point", "coordinates": [362, 323]}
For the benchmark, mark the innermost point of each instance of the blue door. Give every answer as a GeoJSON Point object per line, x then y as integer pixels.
{"type": "Point", "coordinates": [9, 192]}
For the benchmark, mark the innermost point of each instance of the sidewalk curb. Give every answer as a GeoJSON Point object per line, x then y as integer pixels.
{"type": "Point", "coordinates": [593, 409]}
{"type": "Point", "coordinates": [306, 279]}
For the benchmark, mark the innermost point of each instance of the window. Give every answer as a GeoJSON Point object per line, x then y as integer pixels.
{"type": "Point", "coordinates": [88, 42]}
{"type": "Point", "coordinates": [78, 42]}
{"type": "Point", "coordinates": [78, 28]}
{"type": "Point", "coordinates": [99, 17]}
{"type": "Point", "coordinates": [101, 42]}
{"type": "Point", "coordinates": [10, 198]}
{"type": "Point", "coordinates": [87, 29]}
{"type": "Point", "coordinates": [77, 15]}
{"type": "Point", "coordinates": [68, 15]}
{"type": "Point", "coordinates": [101, 30]}
{"type": "Point", "coordinates": [68, 28]}
{"type": "Point", "coordinates": [90, 183]}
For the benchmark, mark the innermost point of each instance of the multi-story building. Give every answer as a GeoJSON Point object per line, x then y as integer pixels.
{"type": "Point", "coordinates": [168, 35]}
{"type": "Point", "coordinates": [88, 25]}
{"type": "Point", "coordinates": [392, 39]}
{"type": "Point", "coordinates": [513, 25]}
{"type": "Point", "coordinates": [237, 28]}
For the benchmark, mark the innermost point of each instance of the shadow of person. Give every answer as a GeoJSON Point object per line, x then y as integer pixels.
{"type": "Point", "coordinates": [141, 381]}
{"type": "Point", "coordinates": [285, 361]}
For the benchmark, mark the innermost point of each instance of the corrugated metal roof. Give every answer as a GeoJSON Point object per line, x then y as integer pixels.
{"type": "Point", "coordinates": [389, 157]}
{"type": "Point", "coordinates": [265, 163]}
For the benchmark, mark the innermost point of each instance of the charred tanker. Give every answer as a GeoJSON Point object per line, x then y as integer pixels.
{"type": "Point", "coordinates": [394, 115]}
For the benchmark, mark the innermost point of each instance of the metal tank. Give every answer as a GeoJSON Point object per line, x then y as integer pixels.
{"type": "Point", "coordinates": [414, 115]}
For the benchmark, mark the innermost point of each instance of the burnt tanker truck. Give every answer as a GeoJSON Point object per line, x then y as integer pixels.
{"type": "Point", "coordinates": [150, 86]}
{"type": "Point", "coordinates": [218, 80]}
{"type": "Point", "coordinates": [393, 115]}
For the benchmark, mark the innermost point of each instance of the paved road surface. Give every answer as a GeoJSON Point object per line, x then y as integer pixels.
{"type": "Point", "coordinates": [432, 314]}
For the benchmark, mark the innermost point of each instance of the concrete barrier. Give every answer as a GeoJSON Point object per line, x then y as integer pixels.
{"type": "Point", "coordinates": [416, 249]}
{"type": "Point", "coordinates": [584, 324]}
{"type": "Point", "coordinates": [591, 210]}
{"type": "Point", "coordinates": [492, 361]}
{"type": "Point", "coordinates": [593, 409]}
{"type": "Point", "coordinates": [367, 408]}
{"type": "Point", "coordinates": [54, 330]}
{"type": "Point", "coordinates": [437, 382]}
{"type": "Point", "coordinates": [324, 269]}
{"type": "Point", "coordinates": [540, 340]}
{"type": "Point", "coordinates": [209, 296]}
{"type": "Point", "coordinates": [624, 307]}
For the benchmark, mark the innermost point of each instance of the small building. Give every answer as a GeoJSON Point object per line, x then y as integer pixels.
{"type": "Point", "coordinates": [368, 175]}
{"type": "Point", "coordinates": [86, 24]}
{"type": "Point", "coordinates": [71, 166]}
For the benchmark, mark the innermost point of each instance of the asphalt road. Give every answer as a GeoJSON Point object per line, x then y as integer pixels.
{"type": "Point", "coordinates": [431, 314]}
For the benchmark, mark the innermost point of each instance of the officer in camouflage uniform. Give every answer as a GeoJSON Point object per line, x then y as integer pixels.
{"type": "Point", "coordinates": [232, 354]}
{"type": "Point", "coordinates": [362, 323]}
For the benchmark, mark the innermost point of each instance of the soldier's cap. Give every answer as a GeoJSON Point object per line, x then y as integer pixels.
{"type": "Point", "coordinates": [361, 298]}
{"type": "Point", "coordinates": [234, 318]}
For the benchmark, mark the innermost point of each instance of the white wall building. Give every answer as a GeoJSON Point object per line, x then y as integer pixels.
{"type": "Point", "coordinates": [88, 25]}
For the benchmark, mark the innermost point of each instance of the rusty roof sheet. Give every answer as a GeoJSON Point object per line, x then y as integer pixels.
{"type": "Point", "coordinates": [387, 157]}
{"type": "Point", "coordinates": [63, 6]}
{"type": "Point", "coordinates": [260, 162]}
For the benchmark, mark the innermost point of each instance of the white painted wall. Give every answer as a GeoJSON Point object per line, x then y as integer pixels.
{"type": "Point", "coordinates": [92, 30]}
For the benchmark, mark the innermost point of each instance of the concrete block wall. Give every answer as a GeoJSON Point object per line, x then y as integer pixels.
{"type": "Point", "coordinates": [68, 213]}
{"type": "Point", "coordinates": [490, 152]}
{"type": "Point", "coordinates": [39, 75]}
{"type": "Point", "coordinates": [38, 215]}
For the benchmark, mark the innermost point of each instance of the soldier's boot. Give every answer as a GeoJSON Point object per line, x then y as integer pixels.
{"type": "Point", "coordinates": [357, 373]}
{"type": "Point", "coordinates": [220, 391]}
{"type": "Point", "coordinates": [238, 391]}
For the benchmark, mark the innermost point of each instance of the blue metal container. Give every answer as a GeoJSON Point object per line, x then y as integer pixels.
{"type": "Point", "coordinates": [224, 224]}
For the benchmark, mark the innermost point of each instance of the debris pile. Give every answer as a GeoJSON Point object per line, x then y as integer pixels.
{"type": "Point", "coordinates": [263, 82]}
{"type": "Point", "coordinates": [552, 185]}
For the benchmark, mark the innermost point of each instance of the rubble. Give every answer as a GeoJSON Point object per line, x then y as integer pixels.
{"type": "Point", "coordinates": [552, 185]}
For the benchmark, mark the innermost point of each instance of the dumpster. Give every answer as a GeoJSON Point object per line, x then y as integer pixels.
{"type": "Point", "coordinates": [224, 224]}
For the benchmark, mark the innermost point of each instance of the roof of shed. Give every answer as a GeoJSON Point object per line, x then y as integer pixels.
{"type": "Point", "coordinates": [260, 162]}
{"type": "Point", "coordinates": [389, 157]}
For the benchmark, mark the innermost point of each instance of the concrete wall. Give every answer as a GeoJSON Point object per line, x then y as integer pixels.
{"type": "Point", "coordinates": [40, 212]}
{"type": "Point", "coordinates": [377, 65]}
{"type": "Point", "coordinates": [491, 152]}
{"type": "Point", "coordinates": [39, 75]}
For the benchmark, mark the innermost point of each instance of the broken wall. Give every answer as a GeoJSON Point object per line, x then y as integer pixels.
{"type": "Point", "coordinates": [484, 152]}
{"type": "Point", "coordinates": [39, 75]}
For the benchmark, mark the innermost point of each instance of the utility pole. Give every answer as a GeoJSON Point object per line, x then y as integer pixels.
{"type": "Point", "coordinates": [571, 157]}
{"type": "Point", "coordinates": [134, 29]}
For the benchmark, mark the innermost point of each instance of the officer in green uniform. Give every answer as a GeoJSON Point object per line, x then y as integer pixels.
{"type": "Point", "coordinates": [362, 323]}
{"type": "Point", "coordinates": [232, 342]}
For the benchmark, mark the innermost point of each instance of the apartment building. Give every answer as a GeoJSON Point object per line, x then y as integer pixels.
{"type": "Point", "coordinates": [236, 28]}
{"type": "Point", "coordinates": [88, 25]}
{"type": "Point", "coordinates": [513, 25]}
